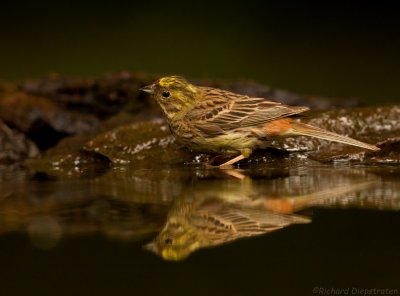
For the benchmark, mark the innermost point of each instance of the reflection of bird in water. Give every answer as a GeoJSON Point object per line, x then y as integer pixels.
{"type": "Point", "coordinates": [220, 212]}
{"type": "Point", "coordinates": [212, 218]}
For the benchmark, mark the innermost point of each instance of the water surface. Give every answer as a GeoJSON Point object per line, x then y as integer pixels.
{"type": "Point", "coordinates": [337, 228]}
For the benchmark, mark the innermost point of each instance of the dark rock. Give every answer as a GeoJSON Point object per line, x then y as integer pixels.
{"type": "Point", "coordinates": [141, 144]}
{"type": "Point", "coordinates": [102, 97]}
{"type": "Point", "coordinates": [374, 125]}
{"type": "Point", "coordinates": [41, 119]}
{"type": "Point", "coordinates": [14, 146]}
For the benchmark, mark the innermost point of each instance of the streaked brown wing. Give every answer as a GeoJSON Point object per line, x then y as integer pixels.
{"type": "Point", "coordinates": [267, 114]}
{"type": "Point", "coordinates": [209, 129]}
{"type": "Point", "coordinates": [230, 111]}
{"type": "Point", "coordinates": [231, 222]}
{"type": "Point", "coordinates": [257, 219]}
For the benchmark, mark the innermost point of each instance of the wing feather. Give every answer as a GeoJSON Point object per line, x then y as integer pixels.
{"type": "Point", "coordinates": [223, 110]}
{"type": "Point", "coordinates": [231, 222]}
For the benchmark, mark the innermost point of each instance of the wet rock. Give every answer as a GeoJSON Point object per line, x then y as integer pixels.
{"type": "Point", "coordinates": [371, 125]}
{"type": "Point", "coordinates": [374, 125]}
{"type": "Point", "coordinates": [42, 120]}
{"type": "Point", "coordinates": [70, 166]}
{"type": "Point", "coordinates": [148, 144]}
{"type": "Point", "coordinates": [389, 154]}
{"type": "Point", "coordinates": [14, 146]}
{"type": "Point", "coordinates": [102, 97]}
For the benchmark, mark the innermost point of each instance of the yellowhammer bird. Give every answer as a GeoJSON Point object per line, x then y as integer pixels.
{"type": "Point", "coordinates": [195, 225]}
{"type": "Point", "coordinates": [206, 119]}
{"type": "Point", "coordinates": [214, 213]}
{"type": "Point", "coordinates": [218, 211]}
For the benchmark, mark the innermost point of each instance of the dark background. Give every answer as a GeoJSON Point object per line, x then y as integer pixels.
{"type": "Point", "coordinates": [335, 48]}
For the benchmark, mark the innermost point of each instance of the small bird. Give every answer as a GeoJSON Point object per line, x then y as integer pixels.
{"type": "Point", "coordinates": [218, 211]}
{"type": "Point", "coordinates": [212, 120]}
{"type": "Point", "coordinates": [214, 213]}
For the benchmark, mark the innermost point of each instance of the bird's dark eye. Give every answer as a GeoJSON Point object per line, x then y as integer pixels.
{"type": "Point", "coordinates": [165, 94]}
{"type": "Point", "coordinates": [168, 241]}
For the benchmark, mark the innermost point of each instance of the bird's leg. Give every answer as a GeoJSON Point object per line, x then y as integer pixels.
{"type": "Point", "coordinates": [245, 153]}
{"type": "Point", "coordinates": [236, 173]}
{"type": "Point", "coordinates": [232, 161]}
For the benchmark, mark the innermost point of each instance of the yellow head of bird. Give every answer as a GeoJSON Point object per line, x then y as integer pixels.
{"type": "Point", "coordinates": [176, 241]}
{"type": "Point", "coordinates": [173, 94]}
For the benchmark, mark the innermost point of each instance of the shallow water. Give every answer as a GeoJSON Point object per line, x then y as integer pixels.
{"type": "Point", "coordinates": [330, 227]}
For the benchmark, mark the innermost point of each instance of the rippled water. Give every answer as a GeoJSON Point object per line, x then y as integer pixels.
{"type": "Point", "coordinates": [260, 231]}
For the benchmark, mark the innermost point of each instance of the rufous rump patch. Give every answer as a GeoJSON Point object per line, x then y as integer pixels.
{"type": "Point", "coordinates": [285, 206]}
{"type": "Point", "coordinates": [278, 127]}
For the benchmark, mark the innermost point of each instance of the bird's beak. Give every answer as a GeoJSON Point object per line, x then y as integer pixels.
{"type": "Point", "coordinates": [149, 89]}
{"type": "Point", "coordinates": [152, 247]}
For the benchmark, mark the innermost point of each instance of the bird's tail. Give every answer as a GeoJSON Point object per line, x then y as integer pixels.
{"type": "Point", "coordinates": [298, 128]}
